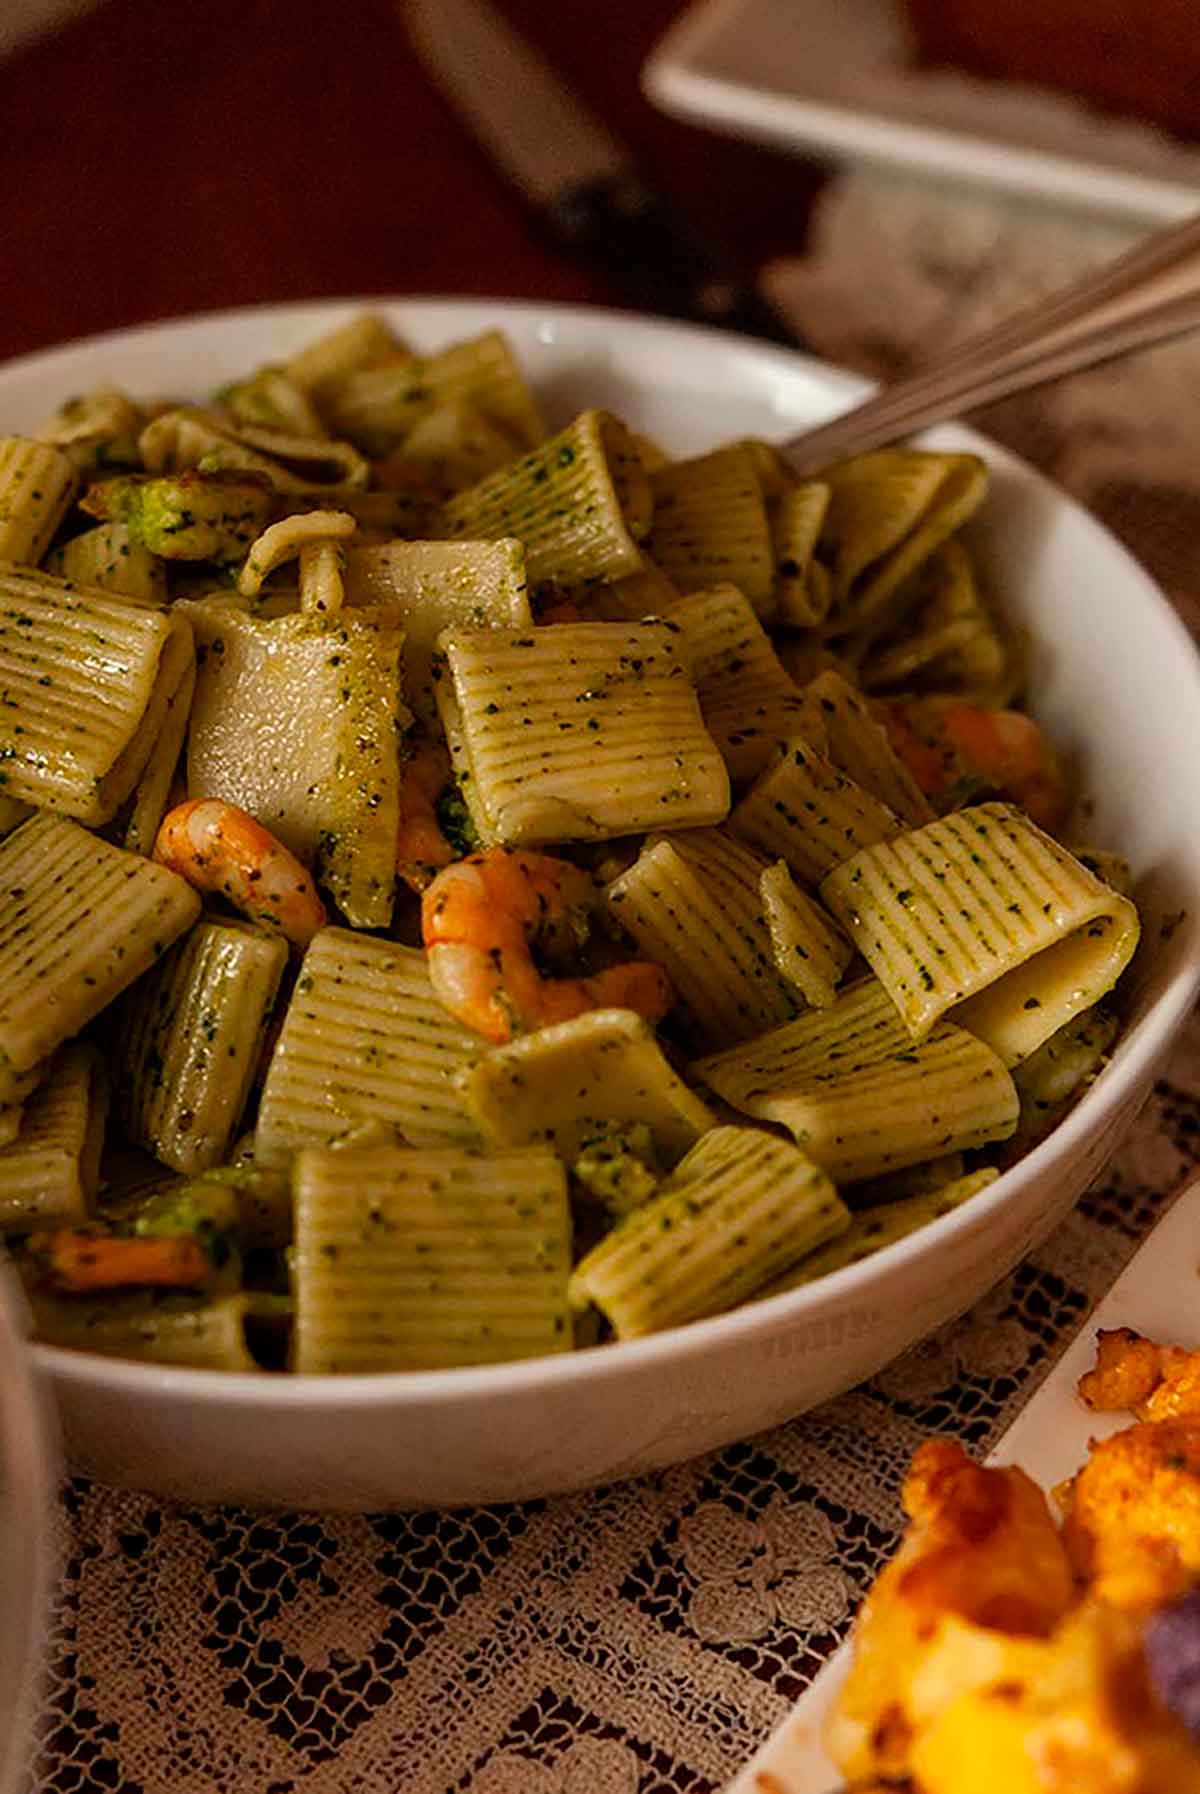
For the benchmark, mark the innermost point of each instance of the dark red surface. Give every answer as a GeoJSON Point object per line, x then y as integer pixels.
{"type": "Point", "coordinates": [161, 157]}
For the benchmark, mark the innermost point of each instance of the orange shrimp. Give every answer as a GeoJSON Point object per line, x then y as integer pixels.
{"type": "Point", "coordinates": [946, 743]}
{"type": "Point", "coordinates": [421, 847]}
{"type": "Point", "coordinates": [77, 1261]}
{"type": "Point", "coordinates": [481, 919]}
{"type": "Point", "coordinates": [218, 847]}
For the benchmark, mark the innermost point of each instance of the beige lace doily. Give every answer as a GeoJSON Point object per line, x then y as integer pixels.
{"type": "Point", "coordinates": [642, 1640]}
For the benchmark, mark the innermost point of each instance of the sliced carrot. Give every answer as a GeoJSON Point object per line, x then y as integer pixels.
{"type": "Point", "coordinates": [78, 1262]}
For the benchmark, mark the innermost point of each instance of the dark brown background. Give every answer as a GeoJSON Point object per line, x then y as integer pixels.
{"type": "Point", "coordinates": [161, 158]}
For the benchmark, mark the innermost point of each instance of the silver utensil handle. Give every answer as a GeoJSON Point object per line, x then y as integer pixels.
{"type": "Point", "coordinates": [1145, 297]}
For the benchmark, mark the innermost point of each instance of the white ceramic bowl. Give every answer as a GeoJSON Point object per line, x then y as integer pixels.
{"type": "Point", "coordinates": [1115, 678]}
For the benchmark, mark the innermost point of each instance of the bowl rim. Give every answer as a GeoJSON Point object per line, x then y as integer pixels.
{"type": "Point", "coordinates": [1135, 1054]}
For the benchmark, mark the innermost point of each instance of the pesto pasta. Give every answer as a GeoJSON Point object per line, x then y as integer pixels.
{"type": "Point", "coordinates": [475, 887]}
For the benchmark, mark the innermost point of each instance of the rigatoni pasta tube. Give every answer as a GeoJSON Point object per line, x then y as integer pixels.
{"type": "Point", "coordinates": [49, 1173]}
{"type": "Point", "coordinates": [859, 1096]}
{"type": "Point", "coordinates": [436, 586]}
{"type": "Point", "coordinates": [579, 503]}
{"type": "Point", "coordinates": [409, 1259]}
{"type": "Point", "coordinates": [982, 914]}
{"type": "Point", "coordinates": [749, 703]}
{"type": "Point", "coordinates": [87, 678]}
{"type": "Point", "coordinates": [332, 795]}
{"type": "Point", "coordinates": [189, 1040]}
{"type": "Point", "coordinates": [365, 1039]}
{"type": "Point", "coordinates": [37, 485]}
{"type": "Point", "coordinates": [710, 525]}
{"type": "Point", "coordinates": [79, 921]}
{"type": "Point", "coordinates": [578, 731]}
{"type": "Point", "coordinates": [806, 811]}
{"type": "Point", "coordinates": [153, 1327]}
{"type": "Point", "coordinates": [600, 1074]}
{"type": "Point", "coordinates": [739, 1209]}
{"type": "Point", "coordinates": [709, 936]}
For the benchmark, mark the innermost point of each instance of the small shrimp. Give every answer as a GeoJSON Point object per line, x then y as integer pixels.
{"type": "Point", "coordinates": [78, 1261]}
{"type": "Point", "coordinates": [421, 847]}
{"type": "Point", "coordinates": [481, 920]}
{"type": "Point", "coordinates": [218, 847]}
{"type": "Point", "coordinates": [948, 744]}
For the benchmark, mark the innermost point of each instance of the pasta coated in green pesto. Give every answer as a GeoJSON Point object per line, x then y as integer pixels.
{"type": "Point", "coordinates": [691, 902]}
{"type": "Point", "coordinates": [580, 503]}
{"type": "Point", "coordinates": [188, 1042]}
{"type": "Point", "coordinates": [578, 731]}
{"type": "Point", "coordinates": [37, 485]}
{"type": "Point", "coordinates": [581, 1081]}
{"type": "Point", "coordinates": [737, 1210]}
{"type": "Point", "coordinates": [87, 679]}
{"type": "Point", "coordinates": [607, 643]}
{"type": "Point", "coordinates": [365, 1039]}
{"type": "Point", "coordinates": [79, 921]}
{"type": "Point", "coordinates": [49, 1172]}
{"type": "Point", "coordinates": [410, 1259]}
{"type": "Point", "coordinates": [982, 914]}
{"type": "Point", "coordinates": [331, 794]}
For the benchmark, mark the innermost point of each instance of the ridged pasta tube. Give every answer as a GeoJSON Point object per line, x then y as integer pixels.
{"type": "Point", "coordinates": [580, 503]}
{"type": "Point", "coordinates": [578, 731]}
{"type": "Point", "coordinates": [49, 1173]}
{"type": "Point", "coordinates": [365, 340]}
{"type": "Point", "coordinates": [412, 1259]}
{"type": "Point", "coordinates": [365, 1039]}
{"type": "Point", "coordinates": [691, 902]}
{"type": "Point", "coordinates": [87, 679]}
{"type": "Point", "coordinates": [803, 585]}
{"type": "Point", "coordinates": [983, 915]}
{"type": "Point", "coordinates": [378, 405]}
{"type": "Point", "coordinates": [740, 1208]}
{"type": "Point", "coordinates": [872, 1229]}
{"type": "Point", "coordinates": [710, 525]}
{"type": "Point", "coordinates": [188, 1042]}
{"type": "Point", "coordinates": [749, 703]}
{"type": "Point", "coordinates": [37, 484]}
{"type": "Point", "coordinates": [99, 428]}
{"type": "Point", "coordinates": [457, 446]}
{"type": "Point", "coordinates": [153, 1327]}
{"type": "Point", "coordinates": [332, 795]}
{"type": "Point", "coordinates": [810, 949]}
{"type": "Point", "coordinates": [79, 921]}
{"type": "Point", "coordinates": [862, 1099]}
{"type": "Point", "coordinates": [888, 511]}
{"type": "Point", "coordinates": [582, 1080]}
{"type": "Point", "coordinates": [107, 557]}
{"type": "Point", "coordinates": [836, 721]}
{"type": "Point", "coordinates": [436, 586]}
{"type": "Point", "coordinates": [153, 788]}
{"type": "Point", "coordinates": [804, 810]}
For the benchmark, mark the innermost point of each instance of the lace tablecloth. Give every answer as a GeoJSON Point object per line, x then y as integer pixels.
{"type": "Point", "coordinates": [643, 1639]}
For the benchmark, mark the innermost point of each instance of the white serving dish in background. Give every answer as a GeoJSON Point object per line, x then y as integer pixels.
{"type": "Point", "coordinates": [1117, 681]}
{"type": "Point", "coordinates": [836, 79]}
{"type": "Point", "coordinates": [1154, 1295]}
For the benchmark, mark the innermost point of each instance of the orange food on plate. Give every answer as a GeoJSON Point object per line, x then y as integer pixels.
{"type": "Point", "coordinates": [997, 1654]}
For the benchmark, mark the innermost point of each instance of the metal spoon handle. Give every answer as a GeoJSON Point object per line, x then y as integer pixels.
{"type": "Point", "coordinates": [1145, 297]}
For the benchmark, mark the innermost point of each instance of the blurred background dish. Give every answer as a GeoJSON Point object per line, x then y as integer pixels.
{"type": "Point", "coordinates": [842, 79]}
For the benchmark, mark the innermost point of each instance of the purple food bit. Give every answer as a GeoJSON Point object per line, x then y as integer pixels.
{"type": "Point", "coordinates": [1173, 1659]}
